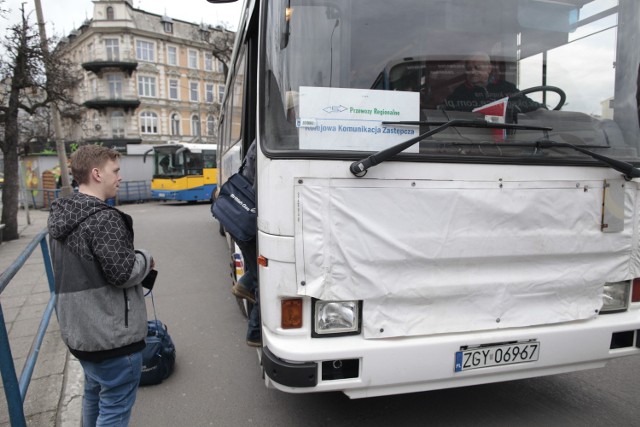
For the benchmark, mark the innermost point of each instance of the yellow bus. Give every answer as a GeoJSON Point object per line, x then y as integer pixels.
{"type": "Point", "coordinates": [184, 172]}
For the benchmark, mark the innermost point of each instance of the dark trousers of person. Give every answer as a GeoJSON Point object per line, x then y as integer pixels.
{"type": "Point", "coordinates": [250, 282]}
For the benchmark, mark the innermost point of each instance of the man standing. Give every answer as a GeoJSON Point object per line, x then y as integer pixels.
{"type": "Point", "coordinates": [100, 302]}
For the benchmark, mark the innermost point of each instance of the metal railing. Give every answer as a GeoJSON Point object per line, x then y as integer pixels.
{"type": "Point", "coordinates": [16, 389]}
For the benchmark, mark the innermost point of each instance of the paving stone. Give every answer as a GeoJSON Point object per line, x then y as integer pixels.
{"type": "Point", "coordinates": [10, 314]}
{"type": "Point", "coordinates": [32, 311]}
{"type": "Point", "coordinates": [43, 394]}
{"type": "Point", "coordinates": [16, 301]}
{"type": "Point", "coordinates": [24, 328]}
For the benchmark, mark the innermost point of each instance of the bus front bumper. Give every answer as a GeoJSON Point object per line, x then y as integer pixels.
{"type": "Point", "coordinates": [365, 368]}
{"type": "Point", "coordinates": [164, 195]}
{"type": "Point", "coordinates": [302, 374]}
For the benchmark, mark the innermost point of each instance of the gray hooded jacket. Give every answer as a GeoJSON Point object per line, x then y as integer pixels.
{"type": "Point", "coordinates": [100, 302]}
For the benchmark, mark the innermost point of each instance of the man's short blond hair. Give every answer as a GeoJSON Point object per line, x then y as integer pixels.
{"type": "Point", "coordinates": [88, 157]}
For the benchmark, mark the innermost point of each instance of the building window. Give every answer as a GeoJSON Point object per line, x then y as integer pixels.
{"type": "Point", "coordinates": [148, 122]}
{"type": "Point", "coordinates": [94, 87]}
{"type": "Point", "coordinates": [112, 47]}
{"type": "Point", "coordinates": [90, 52]}
{"type": "Point", "coordinates": [211, 125]}
{"type": "Point", "coordinates": [117, 124]}
{"type": "Point", "coordinates": [193, 58]}
{"type": "Point", "coordinates": [175, 124]}
{"type": "Point", "coordinates": [193, 92]}
{"type": "Point", "coordinates": [168, 27]}
{"type": "Point", "coordinates": [115, 86]}
{"type": "Point", "coordinates": [109, 13]}
{"type": "Point", "coordinates": [195, 125]}
{"type": "Point", "coordinates": [208, 92]}
{"type": "Point", "coordinates": [172, 55]}
{"type": "Point", "coordinates": [221, 89]}
{"type": "Point", "coordinates": [220, 66]}
{"type": "Point", "coordinates": [145, 51]}
{"type": "Point", "coordinates": [173, 89]}
{"type": "Point", "coordinates": [147, 86]}
{"type": "Point", "coordinates": [208, 62]}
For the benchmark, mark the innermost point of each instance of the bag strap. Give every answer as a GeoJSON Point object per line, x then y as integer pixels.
{"type": "Point", "coordinates": [243, 165]}
{"type": "Point", "coordinates": [153, 304]}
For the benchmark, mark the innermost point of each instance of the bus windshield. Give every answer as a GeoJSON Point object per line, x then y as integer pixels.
{"type": "Point", "coordinates": [346, 77]}
{"type": "Point", "coordinates": [177, 161]}
{"type": "Point", "coordinates": [167, 163]}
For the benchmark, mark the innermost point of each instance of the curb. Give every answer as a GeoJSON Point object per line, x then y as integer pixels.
{"type": "Point", "coordinates": [70, 410]}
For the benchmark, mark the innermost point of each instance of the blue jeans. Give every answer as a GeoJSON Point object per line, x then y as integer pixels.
{"type": "Point", "coordinates": [250, 281]}
{"type": "Point", "coordinates": [254, 329]}
{"type": "Point", "coordinates": [110, 390]}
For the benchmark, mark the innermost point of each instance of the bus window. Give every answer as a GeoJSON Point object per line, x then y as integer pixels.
{"type": "Point", "coordinates": [209, 159]}
{"type": "Point", "coordinates": [564, 54]}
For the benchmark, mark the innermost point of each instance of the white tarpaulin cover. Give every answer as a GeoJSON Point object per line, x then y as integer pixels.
{"type": "Point", "coordinates": [430, 257]}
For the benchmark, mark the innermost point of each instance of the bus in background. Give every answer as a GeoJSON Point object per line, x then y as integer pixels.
{"type": "Point", "coordinates": [423, 224]}
{"type": "Point", "coordinates": [184, 172]}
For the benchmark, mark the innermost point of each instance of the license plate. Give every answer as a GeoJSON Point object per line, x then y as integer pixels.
{"type": "Point", "coordinates": [162, 195]}
{"type": "Point", "coordinates": [483, 357]}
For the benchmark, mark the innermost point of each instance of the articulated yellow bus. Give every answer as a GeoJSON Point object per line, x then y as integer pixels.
{"type": "Point", "coordinates": [184, 172]}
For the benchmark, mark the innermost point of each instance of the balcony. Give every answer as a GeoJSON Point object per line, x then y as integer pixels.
{"type": "Point", "coordinates": [98, 66]}
{"type": "Point", "coordinates": [101, 60]}
{"type": "Point", "coordinates": [102, 104]}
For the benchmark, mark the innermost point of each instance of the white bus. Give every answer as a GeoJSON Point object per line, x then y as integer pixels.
{"type": "Point", "coordinates": [412, 237]}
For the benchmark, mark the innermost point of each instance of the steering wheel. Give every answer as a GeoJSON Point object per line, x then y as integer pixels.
{"type": "Point", "coordinates": [544, 88]}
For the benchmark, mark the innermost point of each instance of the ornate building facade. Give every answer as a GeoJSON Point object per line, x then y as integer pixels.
{"type": "Point", "coordinates": [146, 78]}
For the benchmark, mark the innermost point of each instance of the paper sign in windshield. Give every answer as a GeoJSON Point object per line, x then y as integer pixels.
{"type": "Point", "coordinates": [495, 112]}
{"type": "Point", "coordinates": [351, 119]}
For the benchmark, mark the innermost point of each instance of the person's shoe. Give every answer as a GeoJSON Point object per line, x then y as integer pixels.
{"type": "Point", "coordinates": [254, 342]}
{"type": "Point", "coordinates": [241, 292]}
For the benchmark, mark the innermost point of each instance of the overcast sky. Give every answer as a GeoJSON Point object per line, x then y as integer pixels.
{"type": "Point", "coordinates": [62, 16]}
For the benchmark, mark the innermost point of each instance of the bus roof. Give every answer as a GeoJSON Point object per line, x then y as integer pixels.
{"type": "Point", "coordinates": [194, 148]}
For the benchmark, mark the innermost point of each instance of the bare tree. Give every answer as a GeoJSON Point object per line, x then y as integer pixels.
{"type": "Point", "coordinates": [25, 90]}
{"type": "Point", "coordinates": [220, 41]}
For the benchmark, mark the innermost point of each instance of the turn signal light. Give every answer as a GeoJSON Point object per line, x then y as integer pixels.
{"type": "Point", "coordinates": [635, 292]}
{"type": "Point", "coordinates": [291, 317]}
{"type": "Point", "coordinates": [264, 262]}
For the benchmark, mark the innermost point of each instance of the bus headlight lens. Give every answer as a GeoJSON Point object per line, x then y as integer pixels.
{"type": "Point", "coordinates": [336, 317]}
{"type": "Point", "coordinates": [616, 296]}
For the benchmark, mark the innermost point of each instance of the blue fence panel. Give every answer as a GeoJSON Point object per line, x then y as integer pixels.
{"type": "Point", "coordinates": [15, 391]}
{"type": "Point", "coordinates": [134, 191]}
{"type": "Point", "coordinates": [130, 191]}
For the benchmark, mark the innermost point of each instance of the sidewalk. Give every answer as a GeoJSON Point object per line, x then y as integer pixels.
{"type": "Point", "coordinates": [54, 396]}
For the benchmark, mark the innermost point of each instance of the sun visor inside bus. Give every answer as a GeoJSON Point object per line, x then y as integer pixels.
{"type": "Point", "coordinates": [430, 257]}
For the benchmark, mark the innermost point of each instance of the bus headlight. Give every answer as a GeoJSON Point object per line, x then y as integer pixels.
{"type": "Point", "coordinates": [336, 318]}
{"type": "Point", "coordinates": [616, 296]}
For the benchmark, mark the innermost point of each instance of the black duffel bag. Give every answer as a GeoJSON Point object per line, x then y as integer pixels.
{"type": "Point", "coordinates": [159, 356]}
{"type": "Point", "coordinates": [235, 208]}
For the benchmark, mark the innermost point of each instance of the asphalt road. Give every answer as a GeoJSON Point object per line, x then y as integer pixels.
{"type": "Point", "coordinates": [217, 381]}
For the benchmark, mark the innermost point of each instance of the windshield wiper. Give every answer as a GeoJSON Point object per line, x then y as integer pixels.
{"type": "Point", "coordinates": [358, 168]}
{"type": "Point", "coordinates": [625, 168]}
